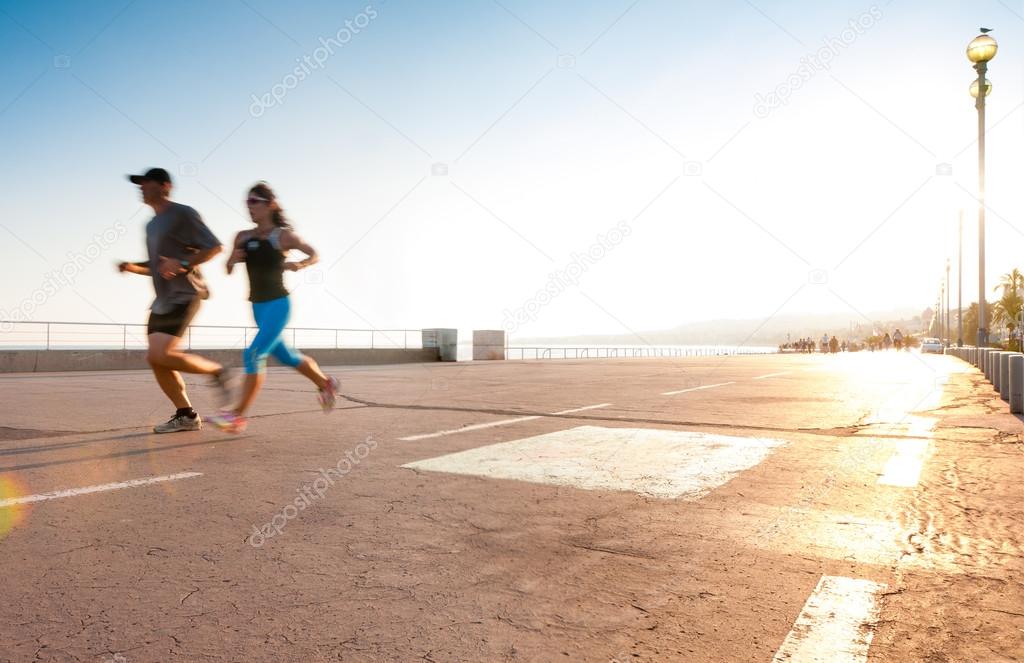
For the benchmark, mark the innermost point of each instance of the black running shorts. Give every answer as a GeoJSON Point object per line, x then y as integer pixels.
{"type": "Point", "coordinates": [174, 322]}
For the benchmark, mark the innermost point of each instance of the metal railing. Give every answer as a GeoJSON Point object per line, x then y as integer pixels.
{"type": "Point", "coordinates": [521, 352]}
{"type": "Point", "coordinates": [44, 335]}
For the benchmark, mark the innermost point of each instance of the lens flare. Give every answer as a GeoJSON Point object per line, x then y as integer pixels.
{"type": "Point", "coordinates": [13, 515]}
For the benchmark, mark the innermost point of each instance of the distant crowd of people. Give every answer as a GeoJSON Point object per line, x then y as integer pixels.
{"type": "Point", "coordinates": [825, 345]}
{"type": "Point", "coordinates": [831, 344]}
{"type": "Point", "coordinates": [887, 342]}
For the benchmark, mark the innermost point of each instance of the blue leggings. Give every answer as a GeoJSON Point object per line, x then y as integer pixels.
{"type": "Point", "coordinates": [271, 318]}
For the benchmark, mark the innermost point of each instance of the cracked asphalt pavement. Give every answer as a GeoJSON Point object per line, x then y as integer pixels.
{"type": "Point", "coordinates": [516, 511]}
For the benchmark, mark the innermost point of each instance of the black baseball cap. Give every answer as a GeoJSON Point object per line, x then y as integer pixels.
{"type": "Point", "coordinates": [153, 174]}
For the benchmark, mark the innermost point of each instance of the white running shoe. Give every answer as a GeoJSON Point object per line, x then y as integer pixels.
{"type": "Point", "coordinates": [179, 423]}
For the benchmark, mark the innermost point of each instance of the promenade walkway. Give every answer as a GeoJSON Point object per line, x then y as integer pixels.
{"type": "Point", "coordinates": [850, 507]}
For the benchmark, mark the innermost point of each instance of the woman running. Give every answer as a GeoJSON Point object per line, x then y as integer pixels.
{"type": "Point", "coordinates": [263, 250]}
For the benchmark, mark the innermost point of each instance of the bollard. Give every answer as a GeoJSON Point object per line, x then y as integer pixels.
{"type": "Point", "coordinates": [1004, 375]}
{"type": "Point", "coordinates": [1017, 383]}
{"type": "Point", "coordinates": [984, 362]}
{"type": "Point", "coordinates": [445, 340]}
{"type": "Point", "coordinates": [997, 358]}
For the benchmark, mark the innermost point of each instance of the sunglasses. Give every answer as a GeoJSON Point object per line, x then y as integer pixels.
{"type": "Point", "coordinates": [252, 200]}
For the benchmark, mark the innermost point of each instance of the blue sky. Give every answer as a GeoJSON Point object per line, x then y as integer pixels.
{"type": "Point", "coordinates": [554, 121]}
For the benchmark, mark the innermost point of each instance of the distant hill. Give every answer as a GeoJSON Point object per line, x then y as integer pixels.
{"type": "Point", "coordinates": [772, 331]}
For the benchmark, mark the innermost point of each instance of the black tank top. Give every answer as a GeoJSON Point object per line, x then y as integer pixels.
{"type": "Point", "coordinates": [264, 262]}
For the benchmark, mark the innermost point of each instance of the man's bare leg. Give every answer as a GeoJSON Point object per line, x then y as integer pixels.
{"type": "Point", "coordinates": [163, 352]}
{"type": "Point", "coordinates": [168, 362]}
{"type": "Point", "coordinates": [172, 384]}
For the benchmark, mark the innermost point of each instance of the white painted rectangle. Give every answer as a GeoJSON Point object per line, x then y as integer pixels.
{"type": "Point", "coordinates": [658, 463]}
{"type": "Point", "coordinates": [72, 492]}
{"type": "Point", "coordinates": [835, 623]}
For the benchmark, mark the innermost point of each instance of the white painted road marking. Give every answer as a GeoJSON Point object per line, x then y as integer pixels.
{"type": "Point", "coordinates": [772, 375]}
{"type": "Point", "coordinates": [583, 409]}
{"type": "Point", "coordinates": [72, 492]}
{"type": "Point", "coordinates": [659, 463]}
{"type": "Point", "coordinates": [464, 429]}
{"type": "Point", "coordinates": [904, 468]}
{"type": "Point", "coordinates": [492, 424]}
{"type": "Point", "coordinates": [835, 624]}
{"type": "Point", "coordinates": [707, 386]}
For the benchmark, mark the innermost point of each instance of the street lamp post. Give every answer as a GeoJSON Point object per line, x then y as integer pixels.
{"type": "Point", "coordinates": [949, 328]}
{"type": "Point", "coordinates": [942, 315]}
{"type": "Point", "coordinates": [960, 282]}
{"type": "Point", "coordinates": [980, 51]}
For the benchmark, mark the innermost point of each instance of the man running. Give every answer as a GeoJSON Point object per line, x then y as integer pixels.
{"type": "Point", "coordinates": [178, 242]}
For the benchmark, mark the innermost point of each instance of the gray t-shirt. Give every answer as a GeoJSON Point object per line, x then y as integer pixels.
{"type": "Point", "coordinates": [178, 232]}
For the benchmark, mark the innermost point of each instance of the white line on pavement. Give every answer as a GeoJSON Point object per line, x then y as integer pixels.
{"type": "Point", "coordinates": [72, 492]}
{"type": "Point", "coordinates": [835, 624]}
{"type": "Point", "coordinates": [707, 386]}
{"type": "Point", "coordinates": [583, 409]}
{"type": "Point", "coordinates": [441, 433]}
{"type": "Point", "coordinates": [492, 424]}
{"type": "Point", "coordinates": [772, 375]}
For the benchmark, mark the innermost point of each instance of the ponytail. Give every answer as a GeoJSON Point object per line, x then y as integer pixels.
{"type": "Point", "coordinates": [263, 190]}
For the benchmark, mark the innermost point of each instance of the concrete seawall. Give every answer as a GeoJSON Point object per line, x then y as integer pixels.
{"type": "Point", "coordinates": [41, 361]}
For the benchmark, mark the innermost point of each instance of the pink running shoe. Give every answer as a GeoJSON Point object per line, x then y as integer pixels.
{"type": "Point", "coordinates": [329, 395]}
{"type": "Point", "coordinates": [229, 421]}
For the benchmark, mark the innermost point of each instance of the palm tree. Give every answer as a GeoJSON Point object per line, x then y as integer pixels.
{"type": "Point", "coordinates": [1012, 281]}
{"type": "Point", "coordinates": [1007, 310]}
